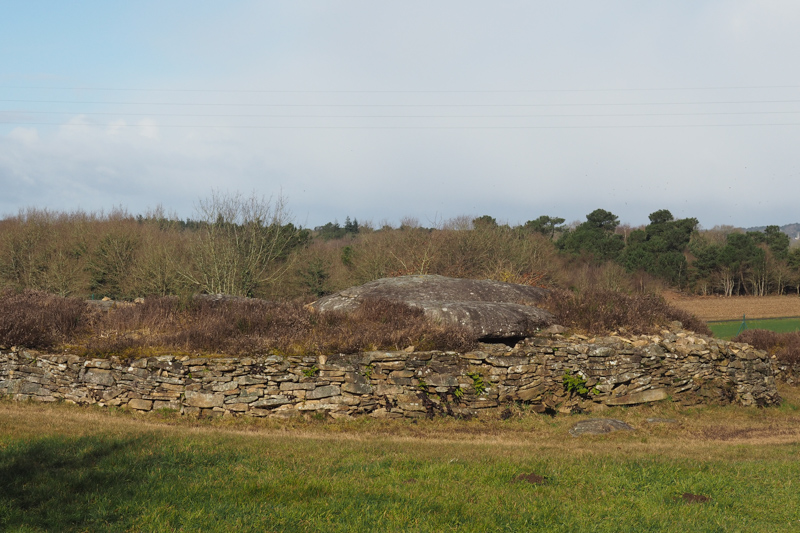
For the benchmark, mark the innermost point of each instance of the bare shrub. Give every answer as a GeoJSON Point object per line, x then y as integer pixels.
{"type": "Point", "coordinates": [26, 249]}
{"type": "Point", "coordinates": [454, 249]}
{"type": "Point", "coordinates": [496, 252]}
{"type": "Point", "coordinates": [240, 326]}
{"type": "Point", "coordinates": [69, 254]}
{"type": "Point", "coordinates": [581, 273]}
{"type": "Point", "coordinates": [160, 258]}
{"type": "Point", "coordinates": [241, 246]}
{"type": "Point", "coordinates": [111, 259]}
{"type": "Point", "coordinates": [784, 346]}
{"type": "Point", "coordinates": [185, 325]}
{"type": "Point", "coordinates": [36, 319]}
{"type": "Point", "coordinates": [598, 312]}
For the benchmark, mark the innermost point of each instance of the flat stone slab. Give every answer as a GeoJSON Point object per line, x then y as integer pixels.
{"type": "Point", "coordinates": [659, 420]}
{"type": "Point", "coordinates": [203, 400]}
{"type": "Point", "coordinates": [141, 405]}
{"type": "Point", "coordinates": [598, 426]}
{"type": "Point", "coordinates": [489, 309]}
{"type": "Point", "coordinates": [651, 395]}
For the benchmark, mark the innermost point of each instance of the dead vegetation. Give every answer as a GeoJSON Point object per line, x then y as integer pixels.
{"type": "Point", "coordinates": [242, 326]}
{"type": "Point", "coordinates": [784, 346]}
{"type": "Point", "coordinates": [602, 311]}
{"type": "Point", "coordinates": [38, 319]}
{"type": "Point", "coordinates": [248, 247]}
{"type": "Point", "coordinates": [238, 326]}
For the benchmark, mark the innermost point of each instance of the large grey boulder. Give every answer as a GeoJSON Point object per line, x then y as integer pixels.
{"type": "Point", "coordinates": [490, 309]}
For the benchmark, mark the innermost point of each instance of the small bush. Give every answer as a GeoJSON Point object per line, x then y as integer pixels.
{"type": "Point", "coordinates": [598, 312]}
{"type": "Point", "coordinates": [37, 319]}
{"type": "Point", "coordinates": [784, 346]}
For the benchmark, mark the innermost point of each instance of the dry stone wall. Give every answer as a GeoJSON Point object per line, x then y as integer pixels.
{"type": "Point", "coordinates": [786, 372]}
{"type": "Point", "coordinates": [677, 366]}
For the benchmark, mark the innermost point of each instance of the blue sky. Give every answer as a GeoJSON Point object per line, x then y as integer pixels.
{"type": "Point", "coordinates": [385, 110]}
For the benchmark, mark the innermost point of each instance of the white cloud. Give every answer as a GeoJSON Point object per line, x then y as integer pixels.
{"type": "Point", "coordinates": [748, 17]}
{"type": "Point", "coordinates": [717, 174]}
{"type": "Point", "coordinates": [115, 127]}
{"type": "Point", "coordinates": [24, 135]}
{"type": "Point", "coordinates": [148, 129]}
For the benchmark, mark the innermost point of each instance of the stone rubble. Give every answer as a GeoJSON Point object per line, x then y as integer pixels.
{"type": "Point", "coordinates": [676, 366]}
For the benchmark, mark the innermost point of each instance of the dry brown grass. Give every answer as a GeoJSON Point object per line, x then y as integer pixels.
{"type": "Point", "coordinates": [245, 326]}
{"type": "Point", "coordinates": [719, 308]}
{"type": "Point", "coordinates": [784, 346]}
{"type": "Point", "coordinates": [598, 312]}
{"type": "Point", "coordinates": [248, 326]}
{"type": "Point", "coordinates": [238, 326]}
{"type": "Point", "coordinates": [39, 320]}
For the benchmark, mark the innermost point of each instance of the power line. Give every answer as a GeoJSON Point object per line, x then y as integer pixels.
{"type": "Point", "coordinates": [400, 127]}
{"type": "Point", "coordinates": [549, 115]}
{"type": "Point", "coordinates": [399, 91]}
{"type": "Point", "coordinates": [401, 105]}
{"type": "Point", "coordinates": [215, 104]}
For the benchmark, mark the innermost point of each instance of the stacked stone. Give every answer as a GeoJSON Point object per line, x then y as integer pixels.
{"type": "Point", "coordinates": [785, 372]}
{"type": "Point", "coordinates": [613, 370]}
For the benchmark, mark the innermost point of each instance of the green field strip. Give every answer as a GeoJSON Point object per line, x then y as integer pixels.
{"type": "Point", "coordinates": [727, 329]}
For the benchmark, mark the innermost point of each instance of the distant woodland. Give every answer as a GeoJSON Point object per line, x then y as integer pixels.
{"type": "Point", "coordinates": [248, 246]}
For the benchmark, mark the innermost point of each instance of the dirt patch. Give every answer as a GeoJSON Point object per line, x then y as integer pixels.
{"type": "Point", "coordinates": [533, 479]}
{"type": "Point", "coordinates": [688, 497]}
{"type": "Point", "coordinates": [720, 308]}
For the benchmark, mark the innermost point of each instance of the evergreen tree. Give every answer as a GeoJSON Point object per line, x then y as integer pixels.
{"type": "Point", "coordinates": [546, 225]}
{"type": "Point", "coordinates": [659, 249]}
{"type": "Point", "coordinates": [351, 227]}
{"type": "Point", "coordinates": [595, 237]}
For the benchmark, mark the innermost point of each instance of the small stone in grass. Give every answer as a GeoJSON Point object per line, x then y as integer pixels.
{"type": "Point", "coordinates": [598, 426]}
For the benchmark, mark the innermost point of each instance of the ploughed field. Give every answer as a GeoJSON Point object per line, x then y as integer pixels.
{"type": "Point", "coordinates": [716, 308]}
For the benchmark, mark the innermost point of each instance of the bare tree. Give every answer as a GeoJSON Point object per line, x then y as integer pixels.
{"type": "Point", "coordinates": [242, 245]}
{"type": "Point", "coordinates": [159, 261]}
{"type": "Point", "coordinates": [726, 280]}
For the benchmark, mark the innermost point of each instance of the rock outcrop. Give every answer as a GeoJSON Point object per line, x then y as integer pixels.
{"type": "Point", "coordinates": [491, 310]}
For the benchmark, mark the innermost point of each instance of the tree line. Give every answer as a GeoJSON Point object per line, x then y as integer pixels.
{"type": "Point", "coordinates": [248, 246]}
{"type": "Point", "coordinates": [723, 261]}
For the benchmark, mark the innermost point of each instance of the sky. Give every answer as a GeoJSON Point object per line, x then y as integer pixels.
{"type": "Point", "coordinates": [392, 110]}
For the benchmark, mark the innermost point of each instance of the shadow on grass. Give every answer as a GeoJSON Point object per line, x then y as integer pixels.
{"type": "Point", "coordinates": [63, 484]}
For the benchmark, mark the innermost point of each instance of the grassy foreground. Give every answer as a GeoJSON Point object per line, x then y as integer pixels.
{"type": "Point", "coordinates": [65, 468]}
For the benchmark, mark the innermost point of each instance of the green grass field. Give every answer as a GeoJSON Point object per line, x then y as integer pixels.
{"type": "Point", "coordinates": [729, 328]}
{"type": "Point", "coordinates": [73, 469]}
